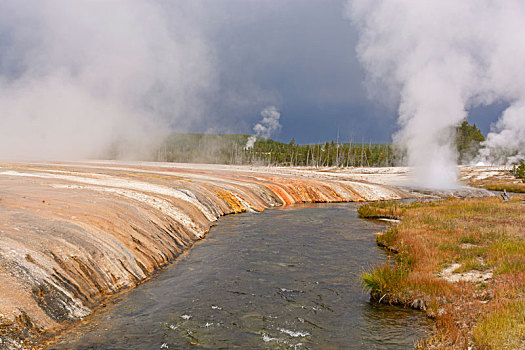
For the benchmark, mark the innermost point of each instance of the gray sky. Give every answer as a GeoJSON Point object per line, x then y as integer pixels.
{"type": "Point", "coordinates": [300, 56]}
{"type": "Point", "coordinates": [84, 73]}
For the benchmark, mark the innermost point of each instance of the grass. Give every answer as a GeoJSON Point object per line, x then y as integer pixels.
{"type": "Point", "coordinates": [508, 186]}
{"type": "Point", "coordinates": [502, 181]}
{"type": "Point", "coordinates": [503, 327]}
{"type": "Point", "coordinates": [482, 236]}
{"type": "Point", "coordinates": [390, 210]}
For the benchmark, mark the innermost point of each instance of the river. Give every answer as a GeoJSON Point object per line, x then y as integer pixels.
{"type": "Point", "coordinates": [284, 278]}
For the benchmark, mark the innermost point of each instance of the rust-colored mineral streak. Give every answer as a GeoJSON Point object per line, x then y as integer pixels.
{"type": "Point", "coordinates": [72, 234]}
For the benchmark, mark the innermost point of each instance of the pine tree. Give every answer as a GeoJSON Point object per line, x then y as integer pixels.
{"type": "Point", "coordinates": [520, 171]}
{"type": "Point", "coordinates": [468, 141]}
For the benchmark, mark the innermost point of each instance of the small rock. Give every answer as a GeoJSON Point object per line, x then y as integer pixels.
{"type": "Point", "coordinates": [418, 304]}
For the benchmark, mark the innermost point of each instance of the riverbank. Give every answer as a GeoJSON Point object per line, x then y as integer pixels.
{"type": "Point", "coordinates": [250, 285]}
{"type": "Point", "coordinates": [74, 234]}
{"type": "Point", "coordinates": [492, 178]}
{"type": "Point", "coordinates": [462, 262]}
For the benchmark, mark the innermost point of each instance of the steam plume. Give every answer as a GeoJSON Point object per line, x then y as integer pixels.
{"type": "Point", "coordinates": [267, 126]}
{"type": "Point", "coordinates": [506, 144]}
{"type": "Point", "coordinates": [77, 75]}
{"type": "Point", "coordinates": [438, 59]}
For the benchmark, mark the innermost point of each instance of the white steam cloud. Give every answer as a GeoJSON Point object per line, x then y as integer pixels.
{"type": "Point", "coordinates": [267, 126]}
{"type": "Point", "coordinates": [506, 144]}
{"type": "Point", "coordinates": [437, 59]}
{"type": "Point", "coordinates": [77, 75]}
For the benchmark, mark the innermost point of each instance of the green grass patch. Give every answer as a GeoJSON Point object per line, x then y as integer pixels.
{"type": "Point", "coordinates": [380, 280]}
{"type": "Point", "coordinates": [387, 238]}
{"type": "Point", "coordinates": [507, 256]}
{"type": "Point", "coordinates": [471, 263]}
{"type": "Point", "coordinates": [503, 328]}
{"type": "Point", "coordinates": [469, 238]}
{"type": "Point", "coordinates": [508, 186]}
{"type": "Point", "coordinates": [375, 210]}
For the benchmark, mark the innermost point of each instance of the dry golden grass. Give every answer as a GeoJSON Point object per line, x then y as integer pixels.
{"type": "Point", "coordinates": [482, 235]}
{"type": "Point", "coordinates": [499, 183]}
{"type": "Point", "coordinates": [508, 186]}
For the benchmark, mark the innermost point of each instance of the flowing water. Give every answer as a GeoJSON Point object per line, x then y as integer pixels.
{"type": "Point", "coordinates": [284, 278]}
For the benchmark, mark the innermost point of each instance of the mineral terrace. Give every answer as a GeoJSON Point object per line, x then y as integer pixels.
{"type": "Point", "coordinates": [73, 234]}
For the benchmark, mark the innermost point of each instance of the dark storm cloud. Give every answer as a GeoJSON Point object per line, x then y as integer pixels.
{"type": "Point", "coordinates": [300, 56]}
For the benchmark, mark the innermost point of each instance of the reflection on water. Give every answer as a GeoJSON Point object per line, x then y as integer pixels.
{"type": "Point", "coordinates": [278, 279]}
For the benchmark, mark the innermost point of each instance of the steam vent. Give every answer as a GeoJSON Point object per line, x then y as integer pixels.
{"type": "Point", "coordinates": [74, 234]}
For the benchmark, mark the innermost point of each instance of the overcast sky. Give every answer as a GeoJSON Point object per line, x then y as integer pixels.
{"type": "Point", "coordinates": [300, 56]}
{"type": "Point", "coordinates": [200, 66]}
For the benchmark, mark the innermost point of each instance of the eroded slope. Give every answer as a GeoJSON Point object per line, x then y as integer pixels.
{"type": "Point", "coordinates": [72, 234]}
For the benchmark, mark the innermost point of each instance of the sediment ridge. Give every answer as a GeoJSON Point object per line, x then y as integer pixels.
{"type": "Point", "coordinates": [73, 234]}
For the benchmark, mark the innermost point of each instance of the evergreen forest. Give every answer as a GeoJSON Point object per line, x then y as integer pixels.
{"type": "Point", "coordinates": [231, 149]}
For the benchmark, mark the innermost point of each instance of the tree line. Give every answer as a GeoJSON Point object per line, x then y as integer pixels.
{"type": "Point", "coordinates": [231, 149]}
